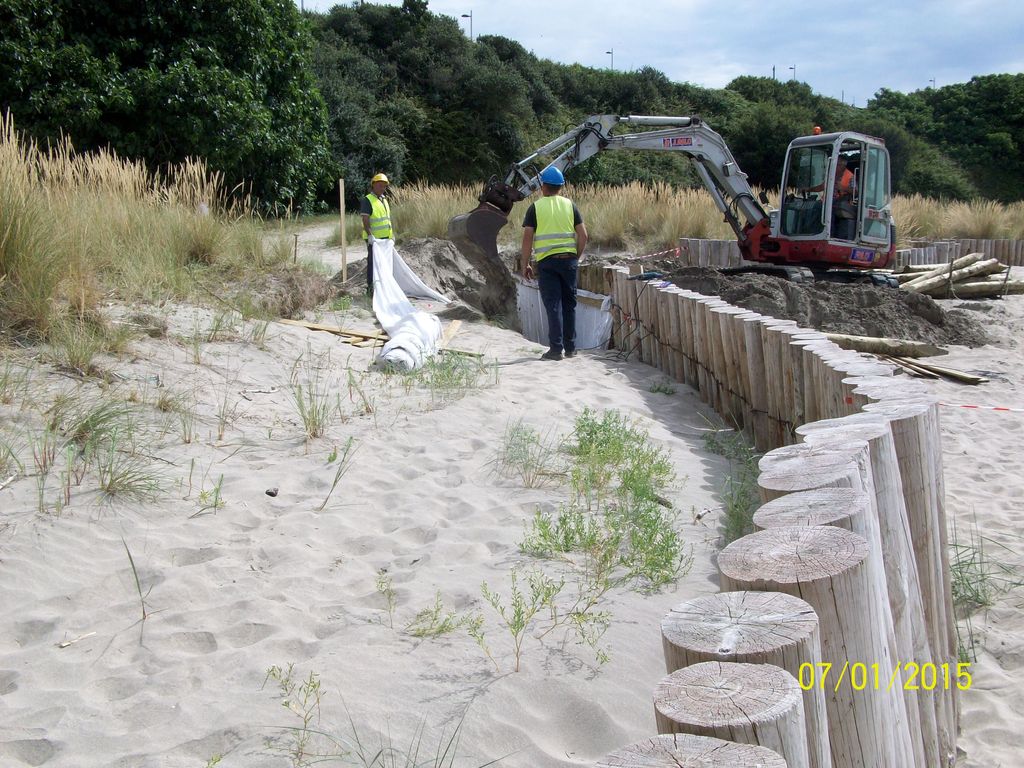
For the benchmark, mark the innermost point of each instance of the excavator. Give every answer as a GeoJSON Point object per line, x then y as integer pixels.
{"type": "Point", "coordinates": [811, 235]}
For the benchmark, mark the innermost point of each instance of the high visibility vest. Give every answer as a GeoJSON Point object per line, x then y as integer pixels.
{"type": "Point", "coordinates": [556, 232]}
{"type": "Point", "coordinates": [842, 196]}
{"type": "Point", "coordinates": [380, 218]}
{"type": "Point", "coordinates": [844, 184]}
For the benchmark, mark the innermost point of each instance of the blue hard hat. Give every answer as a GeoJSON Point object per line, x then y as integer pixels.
{"type": "Point", "coordinates": [552, 176]}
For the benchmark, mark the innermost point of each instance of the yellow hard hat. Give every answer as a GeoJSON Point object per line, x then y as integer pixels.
{"type": "Point", "coordinates": [380, 177]}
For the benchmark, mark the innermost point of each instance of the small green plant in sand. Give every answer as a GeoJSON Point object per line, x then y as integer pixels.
{"type": "Point", "coordinates": [663, 387]}
{"type": "Point", "coordinates": [344, 462]}
{"type": "Point", "coordinates": [13, 382]}
{"type": "Point", "coordinates": [222, 327]}
{"type": "Point", "coordinates": [977, 581]}
{"type": "Point", "coordinates": [740, 496]}
{"type": "Point", "coordinates": [143, 596]}
{"type": "Point", "coordinates": [437, 620]}
{"type": "Point", "coordinates": [210, 499]}
{"type": "Point", "coordinates": [301, 698]}
{"type": "Point", "coordinates": [618, 519]}
{"type": "Point", "coordinates": [311, 392]}
{"type": "Point", "coordinates": [307, 743]}
{"type": "Point", "coordinates": [387, 591]}
{"type": "Point", "coordinates": [451, 376]}
{"type": "Point", "coordinates": [536, 459]}
{"type": "Point", "coordinates": [518, 614]}
{"type": "Point", "coordinates": [125, 475]}
{"type": "Point", "coordinates": [357, 394]}
{"type": "Point", "coordinates": [10, 465]}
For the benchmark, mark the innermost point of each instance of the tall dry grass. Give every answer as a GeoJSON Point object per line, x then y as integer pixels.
{"type": "Point", "coordinates": [76, 227]}
{"type": "Point", "coordinates": [626, 217]}
{"type": "Point", "coordinates": [924, 218]}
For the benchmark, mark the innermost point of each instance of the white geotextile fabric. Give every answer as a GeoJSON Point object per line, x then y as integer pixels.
{"type": "Point", "coordinates": [593, 316]}
{"type": "Point", "coordinates": [414, 334]}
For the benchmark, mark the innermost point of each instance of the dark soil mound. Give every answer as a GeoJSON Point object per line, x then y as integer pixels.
{"type": "Point", "coordinates": [860, 310]}
{"type": "Point", "coordinates": [439, 264]}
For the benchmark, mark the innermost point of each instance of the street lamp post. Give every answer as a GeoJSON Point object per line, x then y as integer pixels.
{"type": "Point", "coordinates": [612, 54]}
{"type": "Point", "coordinates": [470, 17]}
{"type": "Point", "coordinates": [932, 81]}
{"type": "Point", "coordinates": [793, 68]}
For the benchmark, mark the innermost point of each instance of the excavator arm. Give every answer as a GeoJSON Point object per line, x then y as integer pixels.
{"type": "Point", "coordinates": [476, 232]}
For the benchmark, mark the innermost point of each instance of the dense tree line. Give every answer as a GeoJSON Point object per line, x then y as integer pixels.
{"type": "Point", "coordinates": [287, 103]}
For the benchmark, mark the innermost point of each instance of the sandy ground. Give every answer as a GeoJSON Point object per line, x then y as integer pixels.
{"type": "Point", "coordinates": [234, 581]}
{"type": "Point", "coordinates": [985, 502]}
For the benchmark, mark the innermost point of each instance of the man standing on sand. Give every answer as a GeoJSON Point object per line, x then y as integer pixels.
{"type": "Point", "coordinates": [375, 211]}
{"type": "Point", "coordinates": [555, 237]}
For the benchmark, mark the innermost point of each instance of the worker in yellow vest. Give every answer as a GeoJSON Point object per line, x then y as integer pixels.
{"type": "Point", "coordinates": [555, 237]}
{"type": "Point", "coordinates": [375, 211]}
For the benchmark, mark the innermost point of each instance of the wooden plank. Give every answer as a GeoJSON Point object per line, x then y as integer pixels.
{"type": "Point", "coordinates": [949, 373]}
{"type": "Point", "coordinates": [449, 331]}
{"type": "Point", "coordinates": [379, 335]}
{"type": "Point", "coordinates": [910, 367]}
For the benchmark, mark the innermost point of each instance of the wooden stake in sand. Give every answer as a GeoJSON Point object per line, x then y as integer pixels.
{"type": "Point", "coordinates": [344, 242]}
{"type": "Point", "coordinates": [754, 628]}
{"type": "Point", "coordinates": [903, 588]}
{"type": "Point", "coordinates": [747, 703]}
{"type": "Point", "coordinates": [825, 566]}
{"type": "Point", "coordinates": [680, 749]}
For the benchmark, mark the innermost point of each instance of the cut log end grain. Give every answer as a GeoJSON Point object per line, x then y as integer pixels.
{"type": "Point", "coordinates": [725, 694]}
{"type": "Point", "coordinates": [738, 625]}
{"type": "Point", "coordinates": [803, 467]}
{"type": "Point", "coordinates": [821, 506]}
{"type": "Point", "coordinates": [682, 750]}
{"type": "Point", "coordinates": [791, 555]}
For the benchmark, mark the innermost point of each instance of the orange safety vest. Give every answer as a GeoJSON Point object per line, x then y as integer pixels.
{"type": "Point", "coordinates": [844, 185]}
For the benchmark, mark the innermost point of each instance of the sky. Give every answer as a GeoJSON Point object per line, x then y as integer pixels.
{"type": "Point", "coordinates": [848, 51]}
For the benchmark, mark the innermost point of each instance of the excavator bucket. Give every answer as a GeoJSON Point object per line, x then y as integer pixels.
{"type": "Point", "coordinates": [475, 234]}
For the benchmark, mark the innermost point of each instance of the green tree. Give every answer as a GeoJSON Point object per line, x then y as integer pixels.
{"type": "Point", "coordinates": [162, 81]}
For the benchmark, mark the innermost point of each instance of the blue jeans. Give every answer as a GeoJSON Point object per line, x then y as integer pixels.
{"type": "Point", "coordinates": [557, 279]}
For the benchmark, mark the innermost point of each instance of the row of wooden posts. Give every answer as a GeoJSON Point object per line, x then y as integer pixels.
{"type": "Point", "coordinates": [832, 643]}
{"type": "Point", "coordinates": [695, 252]}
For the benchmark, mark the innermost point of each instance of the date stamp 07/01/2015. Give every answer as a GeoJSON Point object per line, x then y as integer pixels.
{"type": "Point", "coordinates": [860, 676]}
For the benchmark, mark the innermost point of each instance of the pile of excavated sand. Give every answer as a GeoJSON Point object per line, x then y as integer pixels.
{"type": "Point", "coordinates": [441, 265]}
{"type": "Point", "coordinates": [859, 310]}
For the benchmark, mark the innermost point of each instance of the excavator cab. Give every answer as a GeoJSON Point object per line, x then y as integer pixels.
{"type": "Point", "coordinates": [836, 195]}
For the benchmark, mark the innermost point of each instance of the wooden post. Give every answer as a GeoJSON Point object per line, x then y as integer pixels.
{"type": "Point", "coordinates": [747, 703]}
{"type": "Point", "coordinates": [682, 749]}
{"type": "Point", "coordinates": [754, 346]}
{"type": "Point", "coordinates": [903, 589]}
{"type": "Point", "coordinates": [825, 566]}
{"type": "Point", "coordinates": [753, 628]}
{"type": "Point", "coordinates": [344, 242]}
{"type": "Point", "coordinates": [915, 430]}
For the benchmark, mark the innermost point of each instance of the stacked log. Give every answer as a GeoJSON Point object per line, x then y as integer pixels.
{"type": "Point", "coordinates": [968, 277]}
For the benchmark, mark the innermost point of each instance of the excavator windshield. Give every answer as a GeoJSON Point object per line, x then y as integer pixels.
{"type": "Point", "coordinates": [803, 191]}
